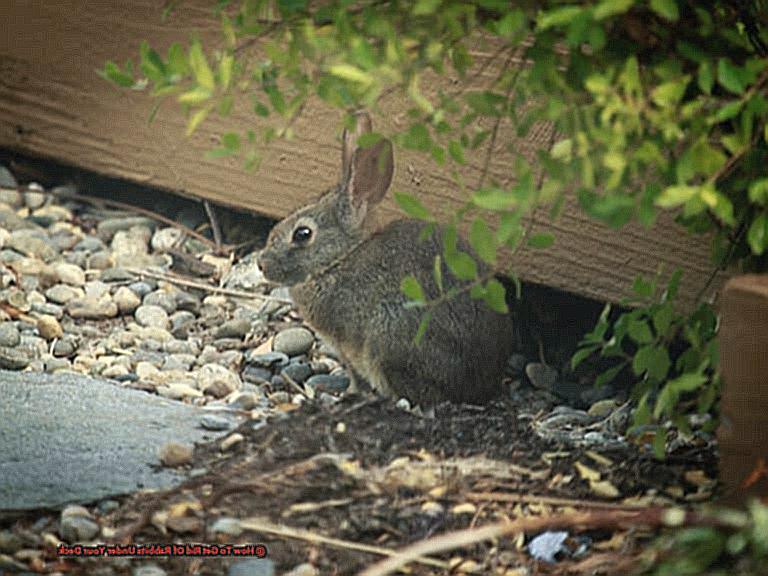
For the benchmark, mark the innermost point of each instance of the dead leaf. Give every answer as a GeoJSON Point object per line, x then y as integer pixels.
{"type": "Point", "coordinates": [586, 472]}
{"type": "Point", "coordinates": [599, 458]}
{"type": "Point", "coordinates": [465, 508]}
{"type": "Point", "coordinates": [604, 489]}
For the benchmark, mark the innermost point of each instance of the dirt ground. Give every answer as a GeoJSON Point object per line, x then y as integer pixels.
{"type": "Point", "coordinates": [365, 471]}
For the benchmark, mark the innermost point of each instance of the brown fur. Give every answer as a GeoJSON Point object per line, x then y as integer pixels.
{"type": "Point", "coordinates": [346, 283]}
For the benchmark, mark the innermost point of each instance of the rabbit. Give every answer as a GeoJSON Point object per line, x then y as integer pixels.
{"type": "Point", "coordinates": [344, 272]}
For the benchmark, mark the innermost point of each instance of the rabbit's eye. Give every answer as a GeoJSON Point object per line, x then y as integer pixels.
{"type": "Point", "coordinates": [301, 235]}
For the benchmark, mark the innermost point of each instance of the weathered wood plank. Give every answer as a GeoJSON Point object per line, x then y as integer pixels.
{"type": "Point", "coordinates": [52, 104]}
{"type": "Point", "coordinates": [743, 434]}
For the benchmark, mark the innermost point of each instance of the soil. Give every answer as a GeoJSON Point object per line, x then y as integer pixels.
{"type": "Point", "coordinates": [277, 468]}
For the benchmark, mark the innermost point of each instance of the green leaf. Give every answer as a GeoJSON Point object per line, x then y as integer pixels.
{"type": "Point", "coordinates": [673, 196]}
{"type": "Point", "coordinates": [351, 73]}
{"type": "Point", "coordinates": [662, 318]}
{"type": "Point", "coordinates": [582, 354]}
{"type": "Point", "coordinates": [660, 444]}
{"type": "Point", "coordinates": [758, 191]}
{"type": "Point", "coordinates": [151, 63]}
{"type": "Point", "coordinates": [412, 289]}
{"type": "Point", "coordinates": [705, 77]}
{"type": "Point", "coordinates": [225, 70]}
{"type": "Point", "coordinates": [668, 94]}
{"type": "Point", "coordinates": [495, 296]}
{"type": "Point", "coordinates": [654, 360]}
{"type": "Point", "coordinates": [757, 236]}
{"type": "Point", "coordinates": [423, 325]}
{"type": "Point", "coordinates": [494, 199]}
{"type": "Point", "coordinates": [260, 109]}
{"type": "Point", "coordinates": [412, 206]}
{"type": "Point", "coordinates": [231, 141]}
{"type": "Point", "coordinates": [289, 7]}
{"type": "Point", "coordinates": [608, 8]}
{"type": "Point", "coordinates": [643, 288]}
{"type": "Point", "coordinates": [482, 241]}
{"type": "Point", "coordinates": [557, 17]}
{"type": "Point", "coordinates": [485, 103]}
{"type": "Point", "coordinates": [542, 240]}
{"type": "Point", "coordinates": [425, 7]}
{"type": "Point", "coordinates": [666, 9]}
{"type": "Point", "coordinates": [606, 377]}
{"type": "Point", "coordinates": [113, 73]}
{"type": "Point", "coordinates": [456, 150]}
{"type": "Point", "coordinates": [461, 265]}
{"type": "Point", "coordinates": [197, 119]}
{"type": "Point", "coordinates": [178, 65]}
{"type": "Point", "coordinates": [195, 96]}
{"type": "Point", "coordinates": [730, 76]}
{"type": "Point", "coordinates": [639, 331]}
{"type": "Point", "coordinates": [369, 139]}
{"type": "Point", "coordinates": [437, 272]}
{"type": "Point", "coordinates": [729, 111]}
{"type": "Point", "coordinates": [199, 65]}
{"type": "Point", "coordinates": [417, 138]}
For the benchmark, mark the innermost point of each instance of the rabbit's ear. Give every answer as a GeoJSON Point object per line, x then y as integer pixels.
{"type": "Point", "coordinates": [363, 125]}
{"type": "Point", "coordinates": [370, 175]}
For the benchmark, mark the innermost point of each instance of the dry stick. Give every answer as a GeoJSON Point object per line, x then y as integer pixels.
{"type": "Point", "coordinates": [143, 212]}
{"type": "Point", "coordinates": [206, 287]}
{"type": "Point", "coordinates": [603, 519]}
{"type": "Point", "coordinates": [215, 228]}
{"type": "Point", "coordinates": [549, 500]}
{"type": "Point", "coordinates": [257, 525]}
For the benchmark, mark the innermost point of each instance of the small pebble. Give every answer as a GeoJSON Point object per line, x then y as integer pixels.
{"type": "Point", "coordinates": [252, 567]}
{"type": "Point", "coordinates": [126, 300]}
{"type": "Point", "coordinates": [228, 526]}
{"type": "Point", "coordinates": [237, 328]}
{"type": "Point", "coordinates": [141, 288]}
{"type": "Point", "coordinates": [13, 358]}
{"type": "Point", "coordinates": [77, 525]}
{"type": "Point", "coordinates": [175, 454]}
{"type": "Point", "coordinates": [231, 441]}
{"type": "Point", "coordinates": [9, 334]}
{"type": "Point", "coordinates": [256, 374]}
{"type": "Point", "coordinates": [92, 308]}
{"type": "Point", "coordinates": [542, 376]}
{"type": "Point", "coordinates": [328, 383]}
{"type": "Point", "coordinates": [297, 371]}
{"type": "Point", "coordinates": [49, 327]}
{"type": "Point", "coordinates": [148, 570]}
{"type": "Point", "coordinates": [61, 293]}
{"type": "Point", "coordinates": [268, 359]}
{"type": "Point", "coordinates": [305, 569]}
{"type": "Point", "coordinates": [178, 391]}
{"type": "Point", "coordinates": [66, 346]}
{"type": "Point", "coordinates": [293, 341]}
{"type": "Point", "coordinates": [215, 422]}
{"type": "Point", "coordinates": [161, 298]}
{"type": "Point", "coordinates": [151, 315]}
{"type": "Point", "coordinates": [215, 380]}
{"type": "Point", "coordinates": [602, 408]}
{"type": "Point", "coordinates": [34, 197]}
{"type": "Point", "coordinates": [244, 401]}
{"type": "Point", "coordinates": [69, 274]}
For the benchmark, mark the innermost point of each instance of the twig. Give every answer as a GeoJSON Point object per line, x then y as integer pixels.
{"type": "Point", "coordinates": [78, 196]}
{"type": "Point", "coordinates": [258, 525]}
{"type": "Point", "coordinates": [215, 228]}
{"type": "Point", "coordinates": [550, 500]}
{"type": "Point", "coordinates": [206, 287]}
{"type": "Point", "coordinates": [610, 519]}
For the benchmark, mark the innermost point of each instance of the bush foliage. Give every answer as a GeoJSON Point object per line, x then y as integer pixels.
{"type": "Point", "coordinates": [659, 105]}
